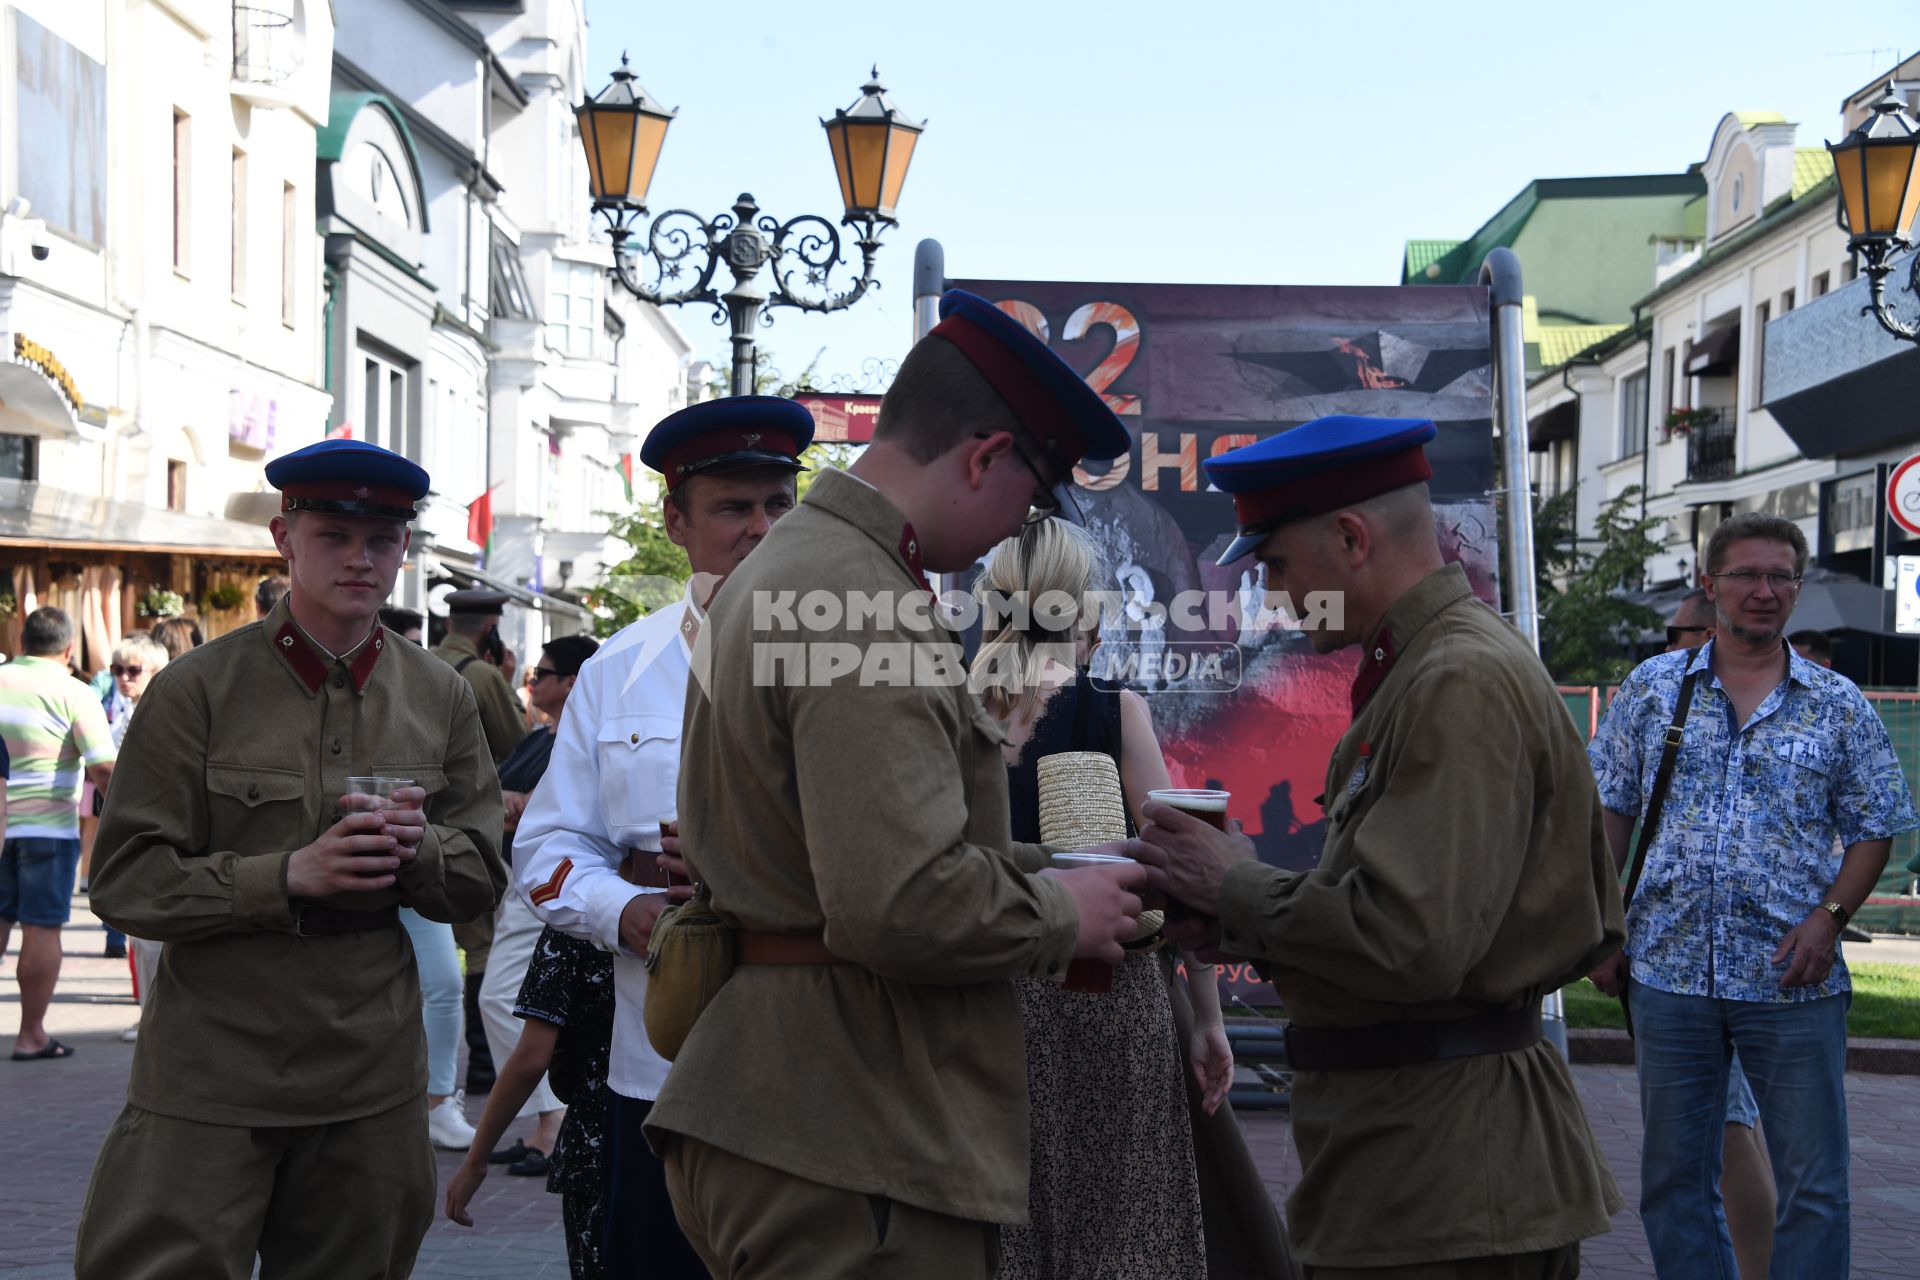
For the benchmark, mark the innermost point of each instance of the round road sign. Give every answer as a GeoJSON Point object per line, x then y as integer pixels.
{"type": "Point", "coordinates": [1903, 494]}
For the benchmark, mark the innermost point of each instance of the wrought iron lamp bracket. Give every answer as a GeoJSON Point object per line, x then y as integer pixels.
{"type": "Point", "coordinates": [1879, 265]}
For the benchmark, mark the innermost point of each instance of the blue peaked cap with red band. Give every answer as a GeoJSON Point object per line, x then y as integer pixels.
{"type": "Point", "coordinates": [732, 433]}
{"type": "Point", "coordinates": [1064, 415]}
{"type": "Point", "coordinates": [1317, 467]}
{"type": "Point", "coordinates": [349, 478]}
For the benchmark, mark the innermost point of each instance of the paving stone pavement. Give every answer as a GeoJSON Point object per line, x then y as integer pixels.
{"type": "Point", "coordinates": [55, 1114]}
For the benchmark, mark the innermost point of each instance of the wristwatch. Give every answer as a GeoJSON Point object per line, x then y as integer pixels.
{"type": "Point", "coordinates": [1840, 914]}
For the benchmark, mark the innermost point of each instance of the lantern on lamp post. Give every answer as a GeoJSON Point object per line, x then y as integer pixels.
{"type": "Point", "coordinates": [1878, 169]}
{"type": "Point", "coordinates": [622, 131]}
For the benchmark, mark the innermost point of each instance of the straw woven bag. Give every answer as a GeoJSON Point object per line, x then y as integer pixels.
{"type": "Point", "coordinates": [1081, 804]}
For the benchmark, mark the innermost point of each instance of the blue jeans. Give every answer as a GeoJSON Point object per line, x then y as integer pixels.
{"type": "Point", "coordinates": [440, 993]}
{"type": "Point", "coordinates": [1794, 1056]}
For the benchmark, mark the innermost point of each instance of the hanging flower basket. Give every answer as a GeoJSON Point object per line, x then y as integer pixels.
{"type": "Point", "coordinates": [225, 596]}
{"type": "Point", "coordinates": [161, 603]}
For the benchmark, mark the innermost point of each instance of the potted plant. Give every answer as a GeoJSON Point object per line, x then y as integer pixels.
{"type": "Point", "coordinates": [1681, 421]}
{"type": "Point", "coordinates": [160, 603]}
{"type": "Point", "coordinates": [7, 604]}
{"type": "Point", "coordinates": [225, 596]}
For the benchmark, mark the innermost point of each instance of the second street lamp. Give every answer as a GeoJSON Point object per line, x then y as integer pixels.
{"type": "Point", "coordinates": [622, 130]}
{"type": "Point", "coordinates": [1878, 169]}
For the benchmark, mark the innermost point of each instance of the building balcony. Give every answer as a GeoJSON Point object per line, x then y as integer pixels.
{"type": "Point", "coordinates": [1710, 446]}
{"type": "Point", "coordinates": [269, 46]}
{"type": "Point", "coordinates": [1838, 384]}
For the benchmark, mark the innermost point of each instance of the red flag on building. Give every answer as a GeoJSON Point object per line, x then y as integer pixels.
{"type": "Point", "coordinates": [626, 474]}
{"type": "Point", "coordinates": [480, 523]}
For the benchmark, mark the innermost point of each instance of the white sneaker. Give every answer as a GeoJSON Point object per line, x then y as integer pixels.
{"type": "Point", "coordinates": [131, 1034]}
{"type": "Point", "coordinates": [447, 1125]}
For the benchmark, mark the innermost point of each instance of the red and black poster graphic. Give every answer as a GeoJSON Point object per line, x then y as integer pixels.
{"type": "Point", "coordinates": [1240, 700]}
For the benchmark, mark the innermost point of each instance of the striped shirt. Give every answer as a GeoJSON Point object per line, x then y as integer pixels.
{"type": "Point", "coordinates": [53, 727]}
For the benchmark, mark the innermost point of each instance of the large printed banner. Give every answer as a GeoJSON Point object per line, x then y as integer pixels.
{"type": "Point", "coordinates": [1239, 698]}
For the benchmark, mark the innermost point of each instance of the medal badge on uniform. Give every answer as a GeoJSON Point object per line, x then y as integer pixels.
{"type": "Point", "coordinates": [1358, 779]}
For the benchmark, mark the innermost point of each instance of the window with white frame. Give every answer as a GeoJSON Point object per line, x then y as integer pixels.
{"type": "Point", "coordinates": [573, 307]}
{"type": "Point", "coordinates": [1633, 414]}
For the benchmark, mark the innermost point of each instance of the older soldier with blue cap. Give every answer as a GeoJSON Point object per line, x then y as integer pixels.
{"type": "Point", "coordinates": [1465, 875]}
{"type": "Point", "coordinates": [608, 798]}
{"type": "Point", "coordinates": [277, 1108]}
{"type": "Point", "coordinates": [854, 1100]}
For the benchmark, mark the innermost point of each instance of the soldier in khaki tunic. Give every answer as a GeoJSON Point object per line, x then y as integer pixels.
{"type": "Point", "coordinates": [854, 1101]}
{"type": "Point", "coordinates": [278, 1101]}
{"type": "Point", "coordinates": [472, 615]}
{"type": "Point", "coordinates": [1465, 875]}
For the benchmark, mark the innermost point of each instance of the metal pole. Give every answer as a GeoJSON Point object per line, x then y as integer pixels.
{"type": "Point", "coordinates": [929, 282]}
{"type": "Point", "coordinates": [1501, 274]}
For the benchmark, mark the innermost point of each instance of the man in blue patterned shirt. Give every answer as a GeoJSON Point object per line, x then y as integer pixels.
{"type": "Point", "coordinates": [1733, 933]}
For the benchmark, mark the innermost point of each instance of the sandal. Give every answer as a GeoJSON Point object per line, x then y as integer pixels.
{"type": "Point", "coordinates": [53, 1049]}
{"type": "Point", "coordinates": [533, 1165]}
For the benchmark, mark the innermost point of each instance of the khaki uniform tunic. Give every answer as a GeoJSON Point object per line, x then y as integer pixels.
{"type": "Point", "coordinates": [877, 815]}
{"type": "Point", "coordinates": [500, 713]}
{"type": "Point", "coordinates": [239, 756]}
{"type": "Point", "coordinates": [1465, 871]}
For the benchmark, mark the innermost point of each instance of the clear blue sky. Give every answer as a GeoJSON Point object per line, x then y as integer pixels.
{"type": "Point", "coordinates": [1200, 140]}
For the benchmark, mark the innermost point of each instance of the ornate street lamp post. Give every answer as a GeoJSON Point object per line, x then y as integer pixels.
{"type": "Point", "coordinates": [622, 130]}
{"type": "Point", "coordinates": [1877, 166]}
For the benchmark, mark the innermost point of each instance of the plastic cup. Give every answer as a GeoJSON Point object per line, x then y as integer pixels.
{"type": "Point", "coordinates": [1197, 802]}
{"type": "Point", "coordinates": [379, 789]}
{"type": "Point", "coordinates": [1093, 977]}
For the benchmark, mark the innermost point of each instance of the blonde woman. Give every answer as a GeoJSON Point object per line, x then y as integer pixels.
{"type": "Point", "coordinates": [1114, 1191]}
{"type": "Point", "coordinates": [135, 661]}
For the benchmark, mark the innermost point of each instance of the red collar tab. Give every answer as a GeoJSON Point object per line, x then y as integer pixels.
{"type": "Point", "coordinates": [1374, 665]}
{"type": "Point", "coordinates": [910, 552]}
{"type": "Point", "coordinates": [691, 457]}
{"type": "Point", "coordinates": [1037, 407]}
{"type": "Point", "coordinates": [311, 667]}
{"type": "Point", "coordinates": [1319, 492]}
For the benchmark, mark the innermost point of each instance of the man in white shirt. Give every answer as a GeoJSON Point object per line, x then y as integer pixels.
{"type": "Point", "coordinates": [729, 469]}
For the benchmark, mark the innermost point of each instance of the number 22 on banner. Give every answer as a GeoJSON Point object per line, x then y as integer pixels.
{"type": "Point", "coordinates": [1126, 342]}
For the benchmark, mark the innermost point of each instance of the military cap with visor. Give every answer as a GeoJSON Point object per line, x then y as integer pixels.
{"type": "Point", "coordinates": [1317, 467]}
{"type": "Point", "coordinates": [734, 433]}
{"type": "Point", "coordinates": [1068, 419]}
{"type": "Point", "coordinates": [349, 478]}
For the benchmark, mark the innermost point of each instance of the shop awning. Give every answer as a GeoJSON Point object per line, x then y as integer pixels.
{"type": "Point", "coordinates": [30, 400]}
{"type": "Point", "coordinates": [474, 576]}
{"type": "Point", "coordinates": [1716, 354]}
{"type": "Point", "coordinates": [46, 519]}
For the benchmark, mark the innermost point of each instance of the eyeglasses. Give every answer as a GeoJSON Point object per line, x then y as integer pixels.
{"type": "Point", "coordinates": [131, 673]}
{"type": "Point", "coordinates": [1043, 504]}
{"type": "Point", "coordinates": [1778, 579]}
{"type": "Point", "coordinates": [538, 674]}
{"type": "Point", "coordinates": [1674, 633]}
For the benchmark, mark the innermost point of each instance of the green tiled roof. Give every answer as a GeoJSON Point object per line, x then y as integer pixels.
{"type": "Point", "coordinates": [1748, 119]}
{"type": "Point", "coordinates": [1811, 167]}
{"type": "Point", "coordinates": [1423, 253]}
{"type": "Point", "coordinates": [1560, 343]}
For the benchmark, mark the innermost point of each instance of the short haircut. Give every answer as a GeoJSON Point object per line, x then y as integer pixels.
{"type": "Point", "coordinates": [46, 633]}
{"type": "Point", "coordinates": [140, 646]}
{"type": "Point", "coordinates": [939, 400]}
{"type": "Point", "coordinates": [177, 635]}
{"type": "Point", "coordinates": [1818, 645]}
{"type": "Point", "coordinates": [471, 624]}
{"type": "Point", "coordinates": [569, 653]}
{"type": "Point", "coordinates": [267, 594]}
{"type": "Point", "coordinates": [400, 621]}
{"type": "Point", "coordinates": [1756, 524]}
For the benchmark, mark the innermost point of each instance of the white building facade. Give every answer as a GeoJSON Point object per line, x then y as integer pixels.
{"type": "Point", "coordinates": [160, 297]}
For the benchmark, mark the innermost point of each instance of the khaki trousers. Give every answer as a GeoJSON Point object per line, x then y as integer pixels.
{"type": "Point", "coordinates": [178, 1199]}
{"type": "Point", "coordinates": [1552, 1264]}
{"type": "Point", "coordinates": [751, 1222]}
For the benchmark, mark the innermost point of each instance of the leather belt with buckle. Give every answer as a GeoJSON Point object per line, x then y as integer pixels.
{"type": "Point", "coordinates": [313, 921]}
{"type": "Point", "coordinates": [1405, 1044]}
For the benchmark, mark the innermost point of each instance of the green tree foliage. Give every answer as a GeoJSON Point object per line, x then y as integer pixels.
{"type": "Point", "coordinates": [1587, 625]}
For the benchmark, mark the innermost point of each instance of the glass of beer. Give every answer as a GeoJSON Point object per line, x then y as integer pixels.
{"type": "Point", "coordinates": [364, 795]}
{"type": "Point", "coordinates": [1087, 976]}
{"type": "Point", "coordinates": [1196, 802]}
